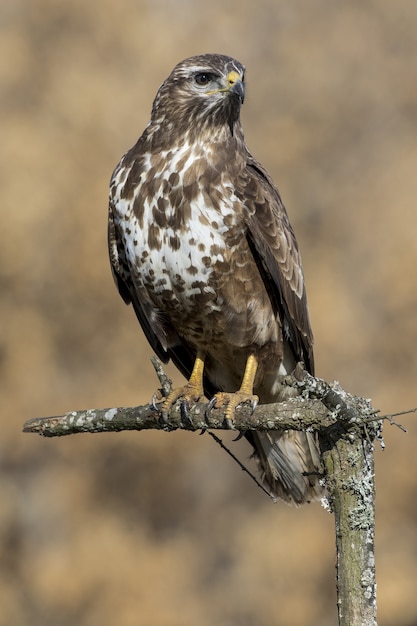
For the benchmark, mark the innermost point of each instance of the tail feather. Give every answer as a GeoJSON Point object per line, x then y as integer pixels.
{"type": "Point", "coordinates": [290, 464]}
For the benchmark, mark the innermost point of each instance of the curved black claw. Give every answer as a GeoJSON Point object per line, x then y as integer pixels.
{"type": "Point", "coordinates": [209, 407]}
{"type": "Point", "coordinates": [185, 414]}
{"type": "Point", "coordinates": [229, 423]}
{"type": "Point", "coordinates": [240, 435]}
{"type": "Point", "coordinates": [254, 404]}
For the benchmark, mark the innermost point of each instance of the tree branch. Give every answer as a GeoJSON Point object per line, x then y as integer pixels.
{"type": "Point", "coordinates": [320, 406]}
{"type": "Point", "coordinates": [346, 427]}
{"type": "Point", "coordinates": [296, 414]}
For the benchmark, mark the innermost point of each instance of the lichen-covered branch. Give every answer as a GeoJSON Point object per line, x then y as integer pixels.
{"type": "Point", "coordinates": [350, 485]}
{"type": "Point", "coordinates": [349, 465]}
{"type": "Point", "coordinates": [297, 414]}
{"type": "Point", "coordinates": [347, 427]}
{"type": "Point", "coordinates": [319, 406]}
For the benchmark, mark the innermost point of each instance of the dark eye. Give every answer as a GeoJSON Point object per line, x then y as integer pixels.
{"type": "Point", "coordinates": [203, 79]}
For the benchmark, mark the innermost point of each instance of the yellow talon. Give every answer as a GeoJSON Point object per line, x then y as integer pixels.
{"type": "Point", "coordinates": [191, 392]}
{"type": "Point", "coordinates": [244, 394]}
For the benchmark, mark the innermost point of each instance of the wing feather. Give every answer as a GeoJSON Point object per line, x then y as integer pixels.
{"type": "Point", "coordinates": [275, 249]}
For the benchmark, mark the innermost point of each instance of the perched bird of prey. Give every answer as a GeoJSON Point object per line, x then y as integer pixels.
{"type": "Point", "coordinates": [201, 245]}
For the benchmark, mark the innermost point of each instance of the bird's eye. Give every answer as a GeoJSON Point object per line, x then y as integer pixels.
{"type": "Point", "coordinates": [203, 79]}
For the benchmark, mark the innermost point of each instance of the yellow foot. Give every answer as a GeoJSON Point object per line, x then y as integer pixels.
{"type": "Point", "coordinates": [230, 401]}
{"type": "Point", "coordinates": [188, 394]}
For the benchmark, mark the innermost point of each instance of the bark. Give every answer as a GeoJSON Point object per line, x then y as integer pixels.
{"type": "Point", "coordinates": [347, 427]}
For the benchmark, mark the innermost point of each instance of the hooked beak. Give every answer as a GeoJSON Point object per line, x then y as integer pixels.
{"type": "Point", "coordinates": [236, 85]}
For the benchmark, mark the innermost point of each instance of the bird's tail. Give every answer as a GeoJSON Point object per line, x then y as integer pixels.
{"type": "Point", "coordinates": [290, 464]}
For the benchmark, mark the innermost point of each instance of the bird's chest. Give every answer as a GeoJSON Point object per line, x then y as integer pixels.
{"type": "Point", "coordinates": [181, 238]}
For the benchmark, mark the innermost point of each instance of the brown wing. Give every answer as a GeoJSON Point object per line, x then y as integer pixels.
{"type": "Point", "coordinates": [276, 252]}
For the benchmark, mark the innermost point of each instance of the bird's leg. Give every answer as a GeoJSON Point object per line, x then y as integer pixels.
{"type": "Point", "coordinates": [189, 393]}
{"type": "Point", "coordinates": [244, 394]}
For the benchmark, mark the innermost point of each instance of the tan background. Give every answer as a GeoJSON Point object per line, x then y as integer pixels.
{"type": "Point", "coordinates": [164, 530]}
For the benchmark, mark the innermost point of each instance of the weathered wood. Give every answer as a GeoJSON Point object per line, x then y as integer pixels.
{"type": "Point", "coordinates": [347, 427]}
{"type": "Point", "coordinates": [297, 414]}
{"type": "Point", "coordinates": [351, 491]}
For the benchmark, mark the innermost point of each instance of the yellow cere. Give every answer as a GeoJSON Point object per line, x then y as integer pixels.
{"type": "Point", "coordinates": [233, 77]}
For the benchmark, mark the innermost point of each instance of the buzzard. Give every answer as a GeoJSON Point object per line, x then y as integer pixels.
{"type": "Point", "coordinates": [201, 246]}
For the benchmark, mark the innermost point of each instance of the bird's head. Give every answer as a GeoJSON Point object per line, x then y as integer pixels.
{"type": "Point", "coordinates": [208, 89]}
{"type": "Point", "coordinates": [211, 78]}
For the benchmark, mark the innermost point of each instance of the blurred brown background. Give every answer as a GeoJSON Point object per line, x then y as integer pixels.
{"type": "Point", "coordinates": [165, 530]}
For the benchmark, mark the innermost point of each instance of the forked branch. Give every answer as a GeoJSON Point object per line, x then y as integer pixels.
{"type": "Point", "coordinates": [346, 426]}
